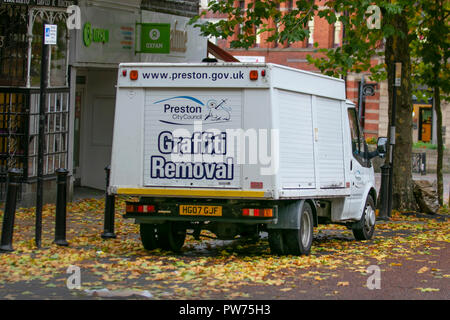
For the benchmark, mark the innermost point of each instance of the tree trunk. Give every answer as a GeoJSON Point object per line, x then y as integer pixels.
{"type": "Point", "coordinates": [440, 146]}
{"type": "Point", "coordinates": [397, 50]}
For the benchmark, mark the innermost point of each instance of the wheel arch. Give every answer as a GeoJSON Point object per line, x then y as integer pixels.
{"type": "Point", "coordinates": [288, 214]}
{"type": "Point", "coordinates": [370, 191]}
{"type": "Point", "coordinates": [373, 193]}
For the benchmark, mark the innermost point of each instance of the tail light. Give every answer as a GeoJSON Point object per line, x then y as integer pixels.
{"type": "Point", "coordinates": [256, 185]}
{"type": "Point", "coordinates": [264, 213]}
{"type": "Point", "coordinates": [132, 208]}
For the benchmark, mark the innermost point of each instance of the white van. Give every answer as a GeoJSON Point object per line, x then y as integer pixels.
{"type": "Point", "coordinates": [237, 149]}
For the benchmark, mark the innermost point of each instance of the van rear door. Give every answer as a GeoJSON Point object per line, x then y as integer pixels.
{"type": "Point", "coordinates": [185, 137]}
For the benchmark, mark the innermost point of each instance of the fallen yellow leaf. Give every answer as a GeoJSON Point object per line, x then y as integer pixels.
{"type": "Point", "coordinates": [343, 283]}
{"type": "Point", "coordinates": [423, 269]}
{"type": "Point", "coordinates": [428, 289]}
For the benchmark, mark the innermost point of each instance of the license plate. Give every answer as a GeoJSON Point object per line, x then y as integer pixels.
{"type": "Point", "coordinates": [193, 210]}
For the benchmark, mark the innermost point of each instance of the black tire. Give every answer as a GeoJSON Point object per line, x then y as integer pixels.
{"type": "Point", "coordinates": [299, 242]}
{"type": "Point", "coordinates": [364, 229]}
{"type": "Point", "coordinates": [250, 235]}
{"type": "Point", "coordinates": [171, 235]}
{"type": "Point", "coordinates": [148, 236]}
{"type": "Point", "coordinates": [276, 241]}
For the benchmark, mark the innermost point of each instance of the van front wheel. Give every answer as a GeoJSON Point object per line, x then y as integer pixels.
{"type": "Point", "coordinates": [364, 229]}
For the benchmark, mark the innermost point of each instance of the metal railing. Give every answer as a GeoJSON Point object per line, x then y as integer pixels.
{"type": "Point", "coordinates": [19, 125]}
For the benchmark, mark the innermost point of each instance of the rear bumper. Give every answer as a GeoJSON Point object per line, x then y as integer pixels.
{"type": "Point", "coordinates": [169, 210]}
{"type": "Point", "coordinates": [194, 193]}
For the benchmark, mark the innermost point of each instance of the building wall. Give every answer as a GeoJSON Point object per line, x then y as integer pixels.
{"type": "Point", "coordinates": [186, 8]}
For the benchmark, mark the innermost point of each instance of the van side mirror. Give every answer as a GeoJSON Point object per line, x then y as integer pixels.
{"type": "Point", "coordinates": [382, 146]}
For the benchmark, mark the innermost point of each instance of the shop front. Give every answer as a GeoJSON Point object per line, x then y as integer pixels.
{"type": "Point", "coordinates": [82, 76]}
{"type": "Point", "coordinates": [105, 39]}
{"type": "Point", "coordinates": [111, 34]}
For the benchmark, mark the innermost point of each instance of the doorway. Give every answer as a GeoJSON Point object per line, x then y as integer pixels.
{"type": "Point", "coordinates": [96, 115]}
{"type": "Point", "coordinates": [79, 102]}
{"type": "Point", "coordinates": [425, 124]}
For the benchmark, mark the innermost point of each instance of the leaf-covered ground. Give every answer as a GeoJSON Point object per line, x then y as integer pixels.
{"type": "Point", "coordinates": [411, 247]}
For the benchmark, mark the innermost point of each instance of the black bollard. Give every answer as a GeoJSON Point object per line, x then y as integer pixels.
{"type": "Point", "coordinates": [108, 229]}
{"type": "Point", "coordinates": [384, 193]}
{"type": "Point", "coordinates": [61, 207]}
{"type": "Point", "coordinates": [14, 176]}
{"type": "Point", "coordinates": [423, 164]}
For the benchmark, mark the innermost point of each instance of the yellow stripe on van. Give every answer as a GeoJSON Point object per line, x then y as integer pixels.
{"type": "Point", "coordinates": [190, 192]}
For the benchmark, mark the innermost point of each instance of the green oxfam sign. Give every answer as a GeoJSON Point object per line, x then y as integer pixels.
{"type": "Point", "coordinates": [155, 38]}
{"type": "Point", "coordinates": [94, 35]}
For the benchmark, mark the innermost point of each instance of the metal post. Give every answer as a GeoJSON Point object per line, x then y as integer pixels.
{"type": "Point", "coordinates": [14, 175]}
{"type": "Point", "coordinates": [41, 140]}
{"type": "Point", "coordinates": [397, 84]}
{"type": "Point", "coordinates": [384, 192]}
{"type": "Point", "coordinates": [61, 207]}
{"type": "Point", "coordinates": [360, 102]}
{"type": "Point", "coordinates": [423, 164]}
{"type": "Point", "coordinates": [108, 230]}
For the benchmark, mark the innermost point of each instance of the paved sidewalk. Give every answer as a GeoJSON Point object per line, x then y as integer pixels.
{"type": "Point", "coordinates": [80, 193]}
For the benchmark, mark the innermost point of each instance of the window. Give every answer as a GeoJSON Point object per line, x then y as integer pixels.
{"type": "Point", "coordinates": [258, 37]}
{"type": "Point", "coordinates": [290, 5]}
{"type": "Point", "coordinates": [311, 33]}
{"type": "Point", "coordinates": [337, 34]}
{"type": "Point", "coordinates": [13, 45]}
{"type": "Point", "coordinates": [57, 55]}
{"type": "Point", "coordinates": [359, 148]}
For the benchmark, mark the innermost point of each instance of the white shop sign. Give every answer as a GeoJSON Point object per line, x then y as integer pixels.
{"type": "Point", "coordinates": [107, 36]}
{"type": "Point", "coordinates": [186, 43]}
{"type": "Point", "coordinates": [50, 34]}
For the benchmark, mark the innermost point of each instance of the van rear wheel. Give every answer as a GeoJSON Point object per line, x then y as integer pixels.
{"type": "Point", "coordinates": [148, 236]}
{"type": "Point", "coordinates": [299, 242]}
{"type": "Point", "coordinates": [171, 235]}
{"type": "Point", "coordinates": [276, 241]}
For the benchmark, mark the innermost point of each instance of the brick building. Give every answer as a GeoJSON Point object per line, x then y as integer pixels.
{"type": "Point", "coordinates": [374, 108]}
